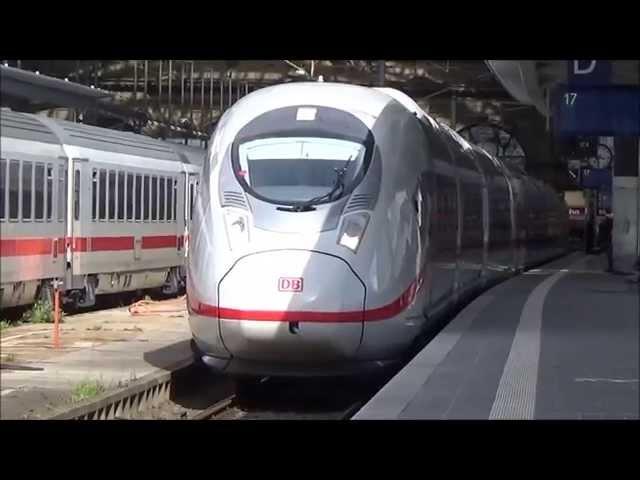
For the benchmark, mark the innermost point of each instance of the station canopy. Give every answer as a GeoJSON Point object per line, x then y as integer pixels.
{"type": "Point", "coordinates": [190, 95]}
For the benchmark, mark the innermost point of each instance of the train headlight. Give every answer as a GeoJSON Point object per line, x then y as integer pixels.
{"type": "Point", "coordinates": [237, 225]}
{"type": "Point", "coordinates": [352, 230]}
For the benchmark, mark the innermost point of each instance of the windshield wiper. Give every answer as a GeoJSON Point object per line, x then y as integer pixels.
{"type": "Point", "coordinates": [308, 205]}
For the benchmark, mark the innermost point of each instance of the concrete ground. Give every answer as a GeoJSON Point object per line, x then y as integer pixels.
{"type": "Point", "coordinates": [558, 342]}
{"type": "Point", "coordinates": [111, 347]}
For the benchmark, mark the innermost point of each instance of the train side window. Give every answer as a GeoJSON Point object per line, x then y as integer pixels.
{"type": "Point", "coordinates": [147, 196]}
{"type": "Point", "coordinates": [62, 193]}
{"type": "Point", "coordinates": [163, 199]}
{"type": "Point", "coordinates": [102, 195]}
{"type": "Point", "coordinates": [39, 182]}
{"type": "Point", "coordinates": [130, 190]}
{"type": "Point", "coordinates": [14, 190]}
{"type": "Point", "coordinates": [169, 199]}
{"type": "Point", "coordinates": [112, 195]}
{"type": "Point", "coordinates": [175, 200]}
{"type": "Point", "coordinates": [76, 195]}
{"type": "Point", "coordinates": [192, 187]}
{"type": "Point", "coordinates": [154, 198]}
{"type": "Point", "coordinates": [94, 195]}
{"type": "Point", "coordinates": [27, 190]}
{"type": "Point", "coordinates": [49, 192]}
{"type": "Point", "coordinates": [3, 188]}
{"type": "Point", "coordinates": [121, 195]}
{"type": "Point", "coordinates": [138, 197]}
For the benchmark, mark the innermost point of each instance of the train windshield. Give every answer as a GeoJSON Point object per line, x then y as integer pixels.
{"type": "Point", "coordinates": [290, 170]}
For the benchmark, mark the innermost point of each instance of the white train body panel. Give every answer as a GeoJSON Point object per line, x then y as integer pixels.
{"type": "Point", "coordinates": [279, 292]}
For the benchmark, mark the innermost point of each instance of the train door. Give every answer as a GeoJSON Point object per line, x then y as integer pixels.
{"type": "Point", "coordinates": [471, 200]}
{"type": "Point", "coordinates": [191, 191]}
{"type": "Point", "coordinates": [56, 177]}
{"type": "Point", "coordinates": [78, 239]}
{"type": "Point", "coordinates": [501, 236]}
{"type": "Point", "coordinates": [487, 216]}
{"type": "Point", "coordinates": [519, 218]}
{"type": "Point", "coordinates": [443, 226]}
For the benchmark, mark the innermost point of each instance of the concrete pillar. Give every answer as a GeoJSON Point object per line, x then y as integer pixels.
{"type": "Point", "coordinates": [626, 203]}
{"type": "Point", "coordinates": [626, 194]}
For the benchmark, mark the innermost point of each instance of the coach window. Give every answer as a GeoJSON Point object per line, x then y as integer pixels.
{"type": "Point", "coordinates": [62, 193]}
{"type": "Point", "coordinates": [175, 200]}
{"type": "Point", "coordinates": [39, 191]}
{"type": "Point", "coordinates": [14, 190]}
{"type": "Point", "coordinates": [192, 197]}
{"type": "Point", "coordinates": [163, 199]}
{"type": "Point", "coordinates": [112, 195]}
{"type": "Point", "coordinates": [27, 190]}
{"type": "Point", "coordinates": [129, 182]}
{"type": "Point", "coordinates": [102, 195]}
{"type": "Point", "coordinates": [49, 192]}
{"type": "Point", "coordinates": [3, 189]}
{"type": "Point", "coordinates": [169, 199]}
{"type": "Point", "coordinates": [138, 197]}
{"type": "Point", "coordinates": [94, 195]}
{"type": "Point", "coordinates": [76, 195]}
{"type": "Point", "coordinates": [154, 198]}
{"type": "Point", "coordinates": [146, 197]}
{"type": "Point", "coordinates": [121, 196]}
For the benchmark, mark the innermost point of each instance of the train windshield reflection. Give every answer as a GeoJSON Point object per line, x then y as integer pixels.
{"type": "Point", "coordinates": [297, 169]}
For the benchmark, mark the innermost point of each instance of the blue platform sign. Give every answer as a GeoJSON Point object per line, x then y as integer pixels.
{"type": "Point", "coordinates": [589, 104]}
{"type": "Point", "coordinates": [589, 72]}
{"type": "Point", "coordinates": [597, 111]}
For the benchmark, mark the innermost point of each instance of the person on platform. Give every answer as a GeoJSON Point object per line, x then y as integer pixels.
{"type": "Point", "coordinates": [589, 227]}
{"type": "Point", "coordinates": [604, 238]}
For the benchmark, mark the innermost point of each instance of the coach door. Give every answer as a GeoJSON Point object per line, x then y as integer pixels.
{"type": "Point", "coordinates": [191, 192]}
{"type": "Point", "coordinates": [78, 183]}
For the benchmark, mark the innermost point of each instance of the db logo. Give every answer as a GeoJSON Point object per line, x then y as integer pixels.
{"type": "Point", "coordinates": [290, 284]}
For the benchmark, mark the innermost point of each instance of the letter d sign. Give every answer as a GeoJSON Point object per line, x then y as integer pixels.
{"type": "Point", "coordinates": [581, 67]}
{"type": "Point", "coordinates": [589, 72]}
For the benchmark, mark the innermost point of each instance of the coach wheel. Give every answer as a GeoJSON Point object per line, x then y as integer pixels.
{"type": "Point", "coordinates": [88, 298]}
{"type": "Point", "coordinates": [45, 293]}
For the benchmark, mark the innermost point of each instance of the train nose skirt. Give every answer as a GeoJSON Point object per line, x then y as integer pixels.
{"type": "Point", "coordinates": [293, 305]}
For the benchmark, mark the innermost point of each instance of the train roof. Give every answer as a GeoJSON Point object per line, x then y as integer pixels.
{"type": "Point", "coordinates": [37, 128]}
{"type": "Point", "coordinates": [363, 102]}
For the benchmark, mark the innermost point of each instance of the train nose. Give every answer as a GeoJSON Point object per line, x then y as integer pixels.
{"type": "Point", "coordinates": [291, 306]}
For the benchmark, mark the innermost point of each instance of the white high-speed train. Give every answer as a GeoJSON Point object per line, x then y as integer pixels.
{"type": "Point", "coordinates": [102, 211]}
{"type": "Point", "coordinates": [335, 222]}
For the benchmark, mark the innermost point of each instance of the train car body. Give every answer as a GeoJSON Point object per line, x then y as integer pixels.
{"type": "Point", "coordinates": [335, 222]}
{"type": "Point", "coordinates": [100, 210]}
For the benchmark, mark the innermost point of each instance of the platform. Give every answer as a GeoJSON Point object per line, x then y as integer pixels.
{"type": "Point", "coordinates": [557, 342]}
{"type": "Point", "coordinates": [111, 347]}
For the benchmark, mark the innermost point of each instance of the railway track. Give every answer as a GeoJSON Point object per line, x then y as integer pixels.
{"type": "Point", "coordinates": [190, 392]}
{"type": "Point", "coordinates": [228, 409]}
{"type": "Point", "coordinates": [292, 400]}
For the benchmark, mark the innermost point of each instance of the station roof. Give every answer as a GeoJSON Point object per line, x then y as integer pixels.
{"type": "Point", "coordinates": [39, 92]}
{"type": "Point", "coordinates": [181, 98]}
{"type": "Point", "coordinates": [431, 83]}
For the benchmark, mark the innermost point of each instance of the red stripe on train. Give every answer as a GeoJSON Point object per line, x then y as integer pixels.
{"type": "Point", "coordinates": [159, 241]}
{"type": "Point", "coordinates": [103, 244]}
{"type": "Point", "coordinates": [26, 246]}
{"type": "Point", "coordinates": [381, 313]}
{"type": "Point", "coordinates": [44, 246]}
